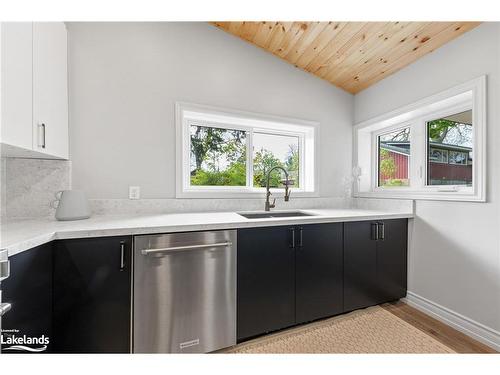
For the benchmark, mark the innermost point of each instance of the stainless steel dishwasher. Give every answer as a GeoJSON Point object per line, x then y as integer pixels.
{"type": "Point", "coordinates": [184, 292]}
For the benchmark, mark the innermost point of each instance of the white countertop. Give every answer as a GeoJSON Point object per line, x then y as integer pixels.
{"type": "Point", "coordinates": [23, 234]}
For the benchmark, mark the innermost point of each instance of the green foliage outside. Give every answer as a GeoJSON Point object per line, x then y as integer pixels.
{"type": "Point", "coordinates": [388, 170]}
{"type": "Point", "coordinates": [387, 164]}
{"type": "Point", "coordinates": [438, 129]}
{"type": "Point", "coordinates": [450, 132]}
{"type": "Point", "coordinates": [232, 176]}
{"type": "Point", "coordinates": [264, 160]}
{"type": "Point", "coordinates": [219, 159]}
{"type": "Point", "coordinates": [394, 182]}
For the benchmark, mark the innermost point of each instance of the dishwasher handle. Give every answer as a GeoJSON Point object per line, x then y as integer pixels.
{"type": "Point", "coordinates": [184, 248]}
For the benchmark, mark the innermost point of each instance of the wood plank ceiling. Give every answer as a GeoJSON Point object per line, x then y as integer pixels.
{"type": "Point", "coordinates": [351, 55]}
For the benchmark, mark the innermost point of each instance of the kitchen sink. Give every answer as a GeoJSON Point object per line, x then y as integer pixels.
{"type": "Point", "coordinates": [268, 215]}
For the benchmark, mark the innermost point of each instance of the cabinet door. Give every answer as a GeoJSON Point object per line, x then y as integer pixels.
{"type": "Point", "coordinates": [16, 78]}
{"type": "Point", "coordinates": [360, 265]}
{"type": "Point", "coordinates": [392, 259]}
{"type": "Point", "coordinates": [92, 295]}
{"type": "Point", "coordinates": [265, 280]}
{"type": "Point", "coordinates": [29, 290]}
{"type": "Point", "coordinates": [50, 89]}
{"type": "Point", "coordinates": [318, 259]}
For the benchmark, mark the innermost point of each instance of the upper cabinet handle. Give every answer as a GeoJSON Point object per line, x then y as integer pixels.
{"type": "Point", "coordinates": [44, 138]}
{"type": "Point", "coordinates": [41, 135]}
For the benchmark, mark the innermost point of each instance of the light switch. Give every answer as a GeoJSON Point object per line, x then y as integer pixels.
{"type": "Point", "coordinates": [134, 192]}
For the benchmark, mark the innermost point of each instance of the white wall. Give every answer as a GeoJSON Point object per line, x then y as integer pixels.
{"type": "Point", "coordinates": [124, 80]}
{"type": "Point", "coordinates": [454, 249]}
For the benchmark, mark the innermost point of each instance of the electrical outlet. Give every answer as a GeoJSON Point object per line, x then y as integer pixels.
{"type": "Point", "coordinates": [134, 192]}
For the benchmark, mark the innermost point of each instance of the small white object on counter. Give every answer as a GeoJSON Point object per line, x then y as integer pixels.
{"type": "Point", "coordinates": [24, 234]}
{"type": "Point", "coordinates": [72, 205]}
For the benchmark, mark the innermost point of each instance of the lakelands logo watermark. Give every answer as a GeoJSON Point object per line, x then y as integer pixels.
{"type": "Point", "coordinates": [12, 341]}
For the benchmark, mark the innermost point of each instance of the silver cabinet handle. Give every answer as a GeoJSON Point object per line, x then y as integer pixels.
{"type": "Point", "coordinates": [292, 245]}
{"type": "Point", "coordinates": [4, 269]}
{"type": "Point", "coordinates": [300, 236]}
{"type": "Point", "coordinates": [381, 231]}
{"type": "Point", "coordinates": [375, 231]}
{"type": "Point", "coordinates": [122, 255]}
{"type": "Point", "coordinates": [5, 307]}
{"type": "Point", "coordinates": [41, 128]}
{"type": "Point", "coordinates": [187, 247]}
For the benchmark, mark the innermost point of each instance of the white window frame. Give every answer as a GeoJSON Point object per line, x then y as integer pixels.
{"type": "Point", "coordinates": [210, 116]}
{"type": "Point", "coordinates": [469, 95]}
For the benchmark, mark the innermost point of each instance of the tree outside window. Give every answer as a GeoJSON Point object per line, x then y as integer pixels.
{"type": "Point", "coordinates": [219, 157]}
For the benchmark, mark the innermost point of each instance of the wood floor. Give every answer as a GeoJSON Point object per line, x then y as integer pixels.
{"type": "Point", "coordinates": [439, 331]}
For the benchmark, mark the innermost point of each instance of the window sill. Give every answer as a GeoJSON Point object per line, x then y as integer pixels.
{"type": "Point", "coordinates": [423, 195]}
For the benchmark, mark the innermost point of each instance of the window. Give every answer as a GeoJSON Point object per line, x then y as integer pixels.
{"type": "Point", "coordinates": [224, 153]}
{"type": "Point", "coordinates": [451, 138]}
{"type": "Point", "coordinates": [270, 150]}
{"type": "Point", "coordinates": [432, 149]}
{"type": "Point", "coordinates": [394, 158]}
{"type": "Point", "coordinates": [218, 156]}
{"type": "Point", "coordinates": [437, 155]}
{"type": "Point", "coordinates": [459, 158]}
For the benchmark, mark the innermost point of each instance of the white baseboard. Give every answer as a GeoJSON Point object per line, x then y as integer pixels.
{"type": "Point", "coordinates": [478, 331]}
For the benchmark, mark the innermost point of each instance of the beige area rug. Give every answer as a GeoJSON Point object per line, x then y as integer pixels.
{"type": "Point", "coordinates": [372, 330]}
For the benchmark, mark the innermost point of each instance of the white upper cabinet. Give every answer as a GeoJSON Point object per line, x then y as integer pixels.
{"type": "Point", "coordinates": [34, 90]}
{"type": "Point", "coordinates": [16, 81]}
{"type": "Point", "coordinates": [50, 89]}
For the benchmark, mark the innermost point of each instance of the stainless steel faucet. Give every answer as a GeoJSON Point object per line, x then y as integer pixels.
{"type": "Point", "coordinates": [270, 205]}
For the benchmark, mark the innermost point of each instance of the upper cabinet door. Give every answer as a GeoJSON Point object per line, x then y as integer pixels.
{"type": "Point", "coordinates": [16, 79]}
{"type": "Point", "coordinates": [50, 89]}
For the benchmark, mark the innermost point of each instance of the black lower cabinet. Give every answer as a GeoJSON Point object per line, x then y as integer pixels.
{"type": "Point", "coordinates": [29, 290]}
{"type": "Point", "coordinates": [360, 265]}
{"type": "Point", "coordinates": [375, 262]}
{"type": "Point", "coordinates": [265, 281]}
{"type": "Point", "coordinates": [287, 276]}
{"type": "Point", "coordinates": [392, 260]}
{"type": "Point", "coordinates": [92, 295]}
{"type": "Point", "coordinates": [318, 271]}
{"type": "Point", "coordinates": [78, 292]}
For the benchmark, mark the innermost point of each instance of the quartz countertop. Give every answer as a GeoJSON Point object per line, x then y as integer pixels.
{"type": "Point", "coordinates": [18, 235]}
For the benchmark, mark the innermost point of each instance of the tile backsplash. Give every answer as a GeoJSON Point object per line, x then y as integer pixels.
{"type": "Point", "coordinates": [29, 186]}
{"type": "Point", "coordinates": [173, 205]}
{"type": "Point", "coordinates": [163, 206]}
